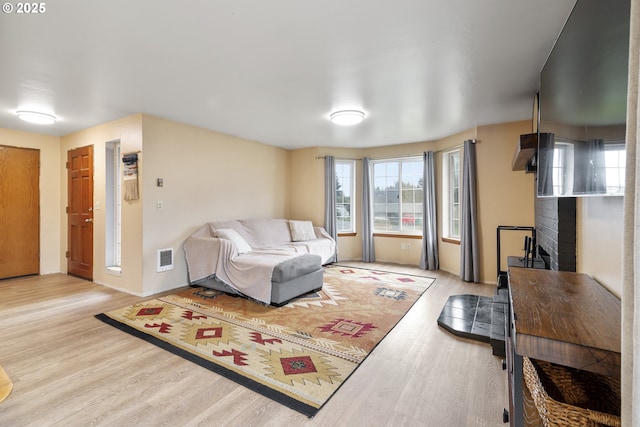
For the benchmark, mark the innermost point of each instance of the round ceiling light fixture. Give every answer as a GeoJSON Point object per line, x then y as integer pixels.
{"type": "Point", "coordinates": [347, 117]}
{"type": "Point", "coordinates": [36, 117]}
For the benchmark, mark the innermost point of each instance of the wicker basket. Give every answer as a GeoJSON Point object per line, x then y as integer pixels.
{"type": "Point", "coordinates": [571, 397]}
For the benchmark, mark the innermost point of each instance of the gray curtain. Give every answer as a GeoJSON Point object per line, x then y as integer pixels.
{"type": "Point", "coordinates": [429, 257]}
{"type": "Point", "coordinates": [631, 240]}
{"type": "Point", "coordinates": [330, 216]}
{"type": "Point", "coordinates": [589, 169]}
{"type": "Point", "coordinates": [368, 252]}
{"type": "Point", "coordinates": [469, 252]}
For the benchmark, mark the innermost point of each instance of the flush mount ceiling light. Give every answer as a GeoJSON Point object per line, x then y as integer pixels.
{"type": "Point", "coordinates": [347, 117]}
{"type": "Point", "coordinates": [36, 117]}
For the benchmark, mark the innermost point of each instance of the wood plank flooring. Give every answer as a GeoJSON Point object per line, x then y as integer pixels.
{"type": "Point", "coordinates": [70, 369]}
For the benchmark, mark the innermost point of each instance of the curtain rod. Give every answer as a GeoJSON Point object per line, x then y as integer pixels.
{"type": "Point", "coordinates": [375, 158]}
{"type": "Point", "coordinates": [473, 141]}
{"type": "Point", "coordinates": [337, 158]}
{"type": "Point", "coordinates": [449, 148]}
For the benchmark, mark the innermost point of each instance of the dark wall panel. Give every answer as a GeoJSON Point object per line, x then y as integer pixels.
{"type": "Point", "coordinates": [556, 231]}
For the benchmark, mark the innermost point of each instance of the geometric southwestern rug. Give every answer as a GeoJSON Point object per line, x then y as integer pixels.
{"type": "Point", "coordinates": [298, 354]}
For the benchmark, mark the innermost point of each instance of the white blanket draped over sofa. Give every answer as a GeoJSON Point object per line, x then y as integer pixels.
{"type": "Point", "coordinates": [246, 263]}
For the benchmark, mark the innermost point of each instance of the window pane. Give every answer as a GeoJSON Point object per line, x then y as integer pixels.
{"type": "Point", "coordinates": [451, 194]}
{"type": "Point", "coordinates": [614, 161]}
{"type": "Point", "coordinates": [392, 197]}
{"type": "Point", "coordinates": [398, 195]}
{"type": "Point", "coordinates": [344, 201]}
{"type": "Point", "coordinates": [408, 196]}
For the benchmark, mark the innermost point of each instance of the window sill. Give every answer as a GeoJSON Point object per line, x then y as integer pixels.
{"type": "Point", "coordinates": [453, 241]}
{"type": "Point", "coordinates": [397, 235]}
{"type": "Point", "coordinates": [114, 271]}
{"type": "Point", "coordinates": [347, 234]}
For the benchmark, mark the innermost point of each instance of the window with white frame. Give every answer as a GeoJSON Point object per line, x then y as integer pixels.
{"type": "Point", "coordinates": [451, 194]}
{"type": "Point", "coordinates": [113, 218]}
{"type": "Point", "coordinates": [345, 196]}
{"type": "Point", "coordinates": [563, 160]}
{"type": "Point", "coordinates": [614, 163]}
{"type": "Point", "coordinates": [564, 164]}
{"type": "Point", "coordinates": [398, 189]}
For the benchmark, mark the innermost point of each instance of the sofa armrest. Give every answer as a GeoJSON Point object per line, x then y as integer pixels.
{"type": "Point", "coordinates": [204, 231]}
{"type": "Point", "coordinates": [321, 233]}
{"type": "Point", "coordinates": [201, 254]}
{"type": "Point", "coordinates": [204, 254]}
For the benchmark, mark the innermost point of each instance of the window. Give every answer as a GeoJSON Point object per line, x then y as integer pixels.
{"type": "Point", "coordinates": [563, 160]}
{"type": "Point", "coordinates": [569, 176]}
{"type": "Point", "coordinates": [113, 194]}
{"type": "Point", "coordinates": [614, 163]}
{"type": "Point", "coordinates": [398, 193]}
{"type": "Point", "coordinates": [345, 200]}
{"type": "Point", "coordinates": [451, 194]}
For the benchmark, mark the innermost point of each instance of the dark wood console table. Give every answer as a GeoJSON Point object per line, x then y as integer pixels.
{"type": "Point", "coordinates": [560, 317]}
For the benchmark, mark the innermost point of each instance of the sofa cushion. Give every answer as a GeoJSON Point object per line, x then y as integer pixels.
{"type": "Point", "coordinates": [296, 267]}
{"type": "Point", "coordinates": [237, 239]}
{"type": "Point", "coordinates": [301, 231]}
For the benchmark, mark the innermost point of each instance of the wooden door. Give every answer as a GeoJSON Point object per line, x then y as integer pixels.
{"type": "Point", "coordinates": [80, 212]}
{"type": "Point", "coordinates": [19, 212]}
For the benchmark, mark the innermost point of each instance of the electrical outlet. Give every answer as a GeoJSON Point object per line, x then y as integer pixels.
{"type": "Point", "coordinates": [159, 205]}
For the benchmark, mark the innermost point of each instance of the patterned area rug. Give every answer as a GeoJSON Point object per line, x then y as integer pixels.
{"type": "Point", "coordinates": [298, 354]}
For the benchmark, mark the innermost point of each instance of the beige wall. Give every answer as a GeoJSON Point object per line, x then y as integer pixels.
{"type": "Point", "coordinates": [129, 132]}
{"type": "Point", "coordinates": [210, 176]}
{"type": "Point", "coordinates": [599, 240]}
{"type": "Point", "coordinates": [306, 201]}
{"type": "Point", "coordinates": [505, 197]}
{"type": "Point", "coordinates": [408, 250]}
{"type": "Point", "coordinates": [50, 210]}
{"type": "Point", "coordinates": [449, 253]}
{"type": "Point", "coordinates": [207, 176]}
{"type": "Point", "coordinates": [349, 247]}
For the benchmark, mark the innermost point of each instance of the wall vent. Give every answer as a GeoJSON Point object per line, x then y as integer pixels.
{"type": "Point", "coordinates": [165, 259]}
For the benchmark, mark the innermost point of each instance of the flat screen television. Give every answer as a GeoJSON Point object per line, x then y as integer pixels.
{"type": "Point", "coordinates": [582, 103]}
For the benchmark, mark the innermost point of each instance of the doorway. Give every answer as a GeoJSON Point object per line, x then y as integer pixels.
{"type": "Point", "coordinates": [80, 212]}
{"type": "Point", "coordinates": [19, 211]}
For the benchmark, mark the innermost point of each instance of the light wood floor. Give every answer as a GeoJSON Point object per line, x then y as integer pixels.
{"type": "Point", "coordinates": [70, 369]}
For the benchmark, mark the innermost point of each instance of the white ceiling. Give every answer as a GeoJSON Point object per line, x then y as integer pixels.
{"type": "Point", "coordinates": [272, 71]}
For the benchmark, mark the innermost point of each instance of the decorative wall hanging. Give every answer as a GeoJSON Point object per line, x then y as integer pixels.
{"type": "Point", "coordinates": [130, 176]}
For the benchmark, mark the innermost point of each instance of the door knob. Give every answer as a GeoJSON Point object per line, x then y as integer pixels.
{"type": "Point", "coordinates": [88, 220]}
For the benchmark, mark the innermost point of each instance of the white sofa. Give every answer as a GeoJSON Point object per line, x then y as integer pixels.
{"type": "Point", "coordinates": [269, 260]}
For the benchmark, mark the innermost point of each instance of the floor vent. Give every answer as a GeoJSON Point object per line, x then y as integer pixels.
{"type": "Point", "coordinates": [165, 259]}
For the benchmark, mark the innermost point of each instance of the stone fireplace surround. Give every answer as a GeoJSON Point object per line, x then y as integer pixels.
{"type": "Point", "coordinates": [556, 232]}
